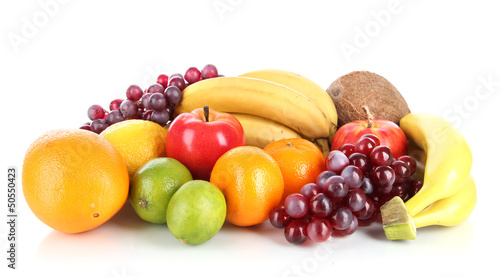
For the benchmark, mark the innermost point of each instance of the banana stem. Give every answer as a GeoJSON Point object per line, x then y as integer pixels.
{"type": "Point", "coordinates": [323, 146]}
{"type": "Point", "coordinates": [368, 115]}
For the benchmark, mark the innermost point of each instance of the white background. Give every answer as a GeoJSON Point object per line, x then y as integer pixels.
{"type": "Point", "coordinates": [57, 60]}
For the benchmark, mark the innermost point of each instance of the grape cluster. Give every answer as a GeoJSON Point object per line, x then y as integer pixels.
{"type": "Point", "coordinates": [156, 103]}
{"type": "Point", "coordinates": [359, 179]}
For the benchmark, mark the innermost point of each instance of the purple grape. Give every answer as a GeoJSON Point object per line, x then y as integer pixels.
{"type": "Point", "coordinates": [353, 176]}
{"type": "Point", "coordinates": [296, 205]}
{"type": "Point", "coordinates": [319, 229]}
{"type": "Point", "coordinates": [321, 179]}
{"type": "Point", "coordinates": [157, 102]}
{"type": "Point", "coordinates": [98, 125]}
{"type": "Point", "coordinates": [351, 229]}
{"type": "Point", "coordinates": [209, 71]}
{"type": "Point", "coordinates": [336, 188]}
{"type": "Point", "coordinates": [134, 93]}
{"type": "Point", "coordinates": [355, 199]}
{"type": "Point", "coordinates": [96, 112]}
{"type": "Point", "coordinates": [129, 108]}
{"type": "Point", "coordinates": [279, 218]}
{"type": "Point", "coordinates": [114, 116]}
{"type": "Point", "coordinates": [320, 205]}
{"type": "Point", "coordinates": [310, 190]}
{"type": "Point", "coordinates": [381, 155]}
{"type": "Point", "coordinates": [296, 231]}
{"type": "Point", "coordinates": [336, 161]}
{"type": "Point", "coordinates": [173, 95]}
{"type": "Point", "coordinates": [160, 117]}
{"type": "Point", "coordinates": [341, 218]}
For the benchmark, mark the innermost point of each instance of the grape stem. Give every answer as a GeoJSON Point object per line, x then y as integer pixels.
{"type": "Point", "coordinates": [206, 111]}
{"type": "Point", "coordinates": [368, 115]}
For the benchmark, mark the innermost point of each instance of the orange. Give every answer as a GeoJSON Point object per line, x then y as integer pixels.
{"type": "Point", "coordinates": [74, 180]}
{"type": "Point", "coordinates": [251, 182]}
{"type": "Point", "coordinates": [300, 162]}
{"type": "Point", "coordinates": [139, 141]}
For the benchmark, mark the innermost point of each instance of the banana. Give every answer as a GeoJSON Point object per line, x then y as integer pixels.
{"type": "Point", "coordinates": [303, 85]}
{"type": "Point", "coordinates": [444, 159]}
{"type": "Point", "coordinates": [449, 158]}
{"type": "Point", "coordinates": [261, 98]}
{"type": "Point", "coordinates": [261, 131]}
{"type": "Point", "coordinates": [452, 210]}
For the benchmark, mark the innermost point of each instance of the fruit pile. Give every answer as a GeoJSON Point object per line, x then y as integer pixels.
{"type": "Point", "coordinates": [156, 103]}
{"type": "Point", "coordinates": [358, 180]}
{"type": "Point", "coordinates": [267, 145]}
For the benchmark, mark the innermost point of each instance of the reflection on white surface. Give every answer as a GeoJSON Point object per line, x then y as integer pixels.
{"type": "Point", "coordinates": [127, 243]}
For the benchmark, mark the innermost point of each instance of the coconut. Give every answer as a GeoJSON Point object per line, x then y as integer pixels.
{"type": "Point", "coordinates": [352, 91]}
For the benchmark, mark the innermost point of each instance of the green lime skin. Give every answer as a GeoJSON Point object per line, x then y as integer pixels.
{"type": "Point", "coordinates": [154, 184]}
{"type": "Point", "coordinates": [196, 212]}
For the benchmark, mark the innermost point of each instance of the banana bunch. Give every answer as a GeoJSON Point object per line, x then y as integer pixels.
{"type": "Point", "coordinates": [270, 104]}
{"type": "Point", "coordinates": [448, 195]}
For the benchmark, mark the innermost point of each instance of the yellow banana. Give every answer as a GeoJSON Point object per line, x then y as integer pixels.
{"type": "Point", "coordinates": [261, 98]}
{"type": "Point", "coordinates": [303, 85]}
{"type": "Point", "coordinates": [261, 131]}
{"type": "Point", "coordinates": [447, 159]}
{"type": "Point", "coordinates": [452, 210]}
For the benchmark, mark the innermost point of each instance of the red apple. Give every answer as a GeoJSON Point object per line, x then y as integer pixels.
{"type": "Point", "coordinates": [387, 131]}
{"type": "Point", "coordinates": [197, 139]}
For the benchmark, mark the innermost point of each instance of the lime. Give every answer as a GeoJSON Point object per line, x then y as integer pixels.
{"type": "Point", "coordinates": [154, 184]}
{"type": "Point", "coordinates": [196, 212]}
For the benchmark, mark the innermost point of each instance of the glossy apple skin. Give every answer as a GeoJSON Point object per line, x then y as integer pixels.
{"type": "Point", "coordinates": [198, 144]}
{"type": "Point", "coordinates": [387, 131]}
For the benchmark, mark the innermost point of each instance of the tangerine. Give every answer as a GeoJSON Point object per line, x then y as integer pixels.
{"type": "Point", "coordinates": [251, 182]}
{"type": "Point", "coordinates": [74, 180]}
{"type": "Point", "coordinates": [300, 162]}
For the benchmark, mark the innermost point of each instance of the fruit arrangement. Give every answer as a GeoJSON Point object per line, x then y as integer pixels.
{"type": "Point", "coordinates": [267, 145]}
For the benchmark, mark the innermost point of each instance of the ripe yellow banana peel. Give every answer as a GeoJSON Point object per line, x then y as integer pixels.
{"type": "Point", "coordinates": [448, 194]}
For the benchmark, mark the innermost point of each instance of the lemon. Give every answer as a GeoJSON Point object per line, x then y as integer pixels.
{"type": "Point", "coordinates": [138, 141]}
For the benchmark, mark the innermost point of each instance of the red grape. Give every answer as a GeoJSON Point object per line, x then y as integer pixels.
{"type": "Point", "coordinates": [192, 75]}
{"type": "Point", "coordinates": [279, 218]}
{"type": "Point", "coordinates": [173, 95]}
{"type": "Point", "coordinates": [129, 108]}
{"type": "Point", "coordinates": [341, 218]}
{"type": "Point", "coordinates": [412, 164]}
{"type": "Point", "coordinates": [157, 102]}
{"type": "Point", "coordinates": [347, 149]}
{"type": "Point", "coordinates": [296, 205]}
{"type": "Point", "coordinates": [134, 93]}
{"type": "Point", "coordinates": [178, 82]}
{"type": "Point", "coordinates": [381, 155]}
{"type": "Point", "coordinates": [98, 125]}
{"type": "Point", "coordinates": [373, 137]}
{"type": "Point", "coordinates": [320, 205]}
{"type": "Point", "coordinates": [351, 229]}
{"type": "Point", "coordinates": [155, 88]}
{"type": "Point", "coordinates": [319, 229]}
{"type": "Point", "coordinates": [115, 104]}
{"type": "Point", "coordinates": [209, 71]}
{"type": "Point", "coordinates": [96, 112]}
{"type": "Point", "coordinates": [365, 146]}
{"type": "Point", "coordinates": [361, 161]}
{"type": "Point", "coordinates": [321, 179]}
{"type": "Point", "coordinates": [355, 199]}
{"type": "Point", "coordinates": [162, 80]}
{"type": "Point", "coordinates": [114, 116]}
{"type": "Point", "coordinates": [310, 190]}
{"type": "Point", "coordinates": [401, 170]}
{"type": "Point", "coordinates": [353, 176]}
{"type": "Point", "coordinates": [296, 231]}
{"type": "Point", "coordinates": [336, 188]}
{"type": "Point", "coordinates": [336, 161]}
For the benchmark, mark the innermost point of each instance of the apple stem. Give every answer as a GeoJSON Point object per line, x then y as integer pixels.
{"type": "Point", "coordinates": [368, 115]}
{"type": "Point", "coordinates": [206, 111]}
